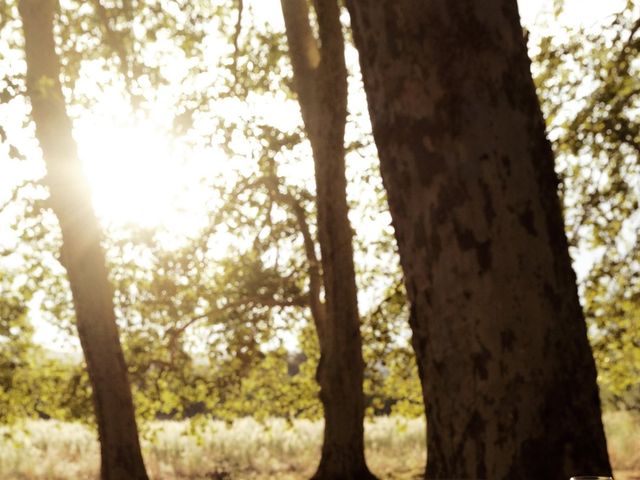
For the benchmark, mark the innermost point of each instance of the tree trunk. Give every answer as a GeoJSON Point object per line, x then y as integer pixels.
{"type": "Point", "coordinates": [508, 377]}
{"type": "Point", "coordinates": [320, 78]}
{"type": "Point", "coordinates": [81, 253]}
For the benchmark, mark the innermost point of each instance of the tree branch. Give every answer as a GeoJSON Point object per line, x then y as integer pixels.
{"type": "Point", "coordinates": [113, 40]}
{"type": "Point", "coordinates": [14, 195]}
{"type": "Point", "coordinates": [303, 51]}
{"type": "Point", "coordinates": [236, 39]}
{"type": "Point", "coordinates": [315, 276]}
{"type": "Point", "coordinates": [258, 301]}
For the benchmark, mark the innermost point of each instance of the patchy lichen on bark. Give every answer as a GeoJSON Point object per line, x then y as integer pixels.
{"type": "Point", "coordinates": [507, 372]}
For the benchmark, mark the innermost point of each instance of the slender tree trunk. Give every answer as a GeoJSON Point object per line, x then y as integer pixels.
{"type": "Point", "coordinates": [508, 377]}
{"type": "Point", "coordinates": [320, 78]}
{"type": "Point", "coordinates": [81, 253]}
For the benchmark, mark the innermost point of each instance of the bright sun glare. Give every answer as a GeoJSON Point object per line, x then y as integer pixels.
{"type": "Point", "coordinates": [133, 175]}
{"type": "Point", "coordinates": [137, 176]}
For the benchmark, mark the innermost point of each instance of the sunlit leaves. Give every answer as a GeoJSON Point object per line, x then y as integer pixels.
{"type": "Point", "coordinates": [590, 90]}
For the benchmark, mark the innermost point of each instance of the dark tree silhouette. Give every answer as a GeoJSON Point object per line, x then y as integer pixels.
{"type": "Point", "coordinates": [81, 254]}
{"type": "Point", "coordinates": [320, 79]}
{"type": "Point", "coordinates": [508, 377]}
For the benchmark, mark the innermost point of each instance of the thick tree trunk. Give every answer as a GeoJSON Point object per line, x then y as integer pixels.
{"type": "Point", "coordinates": [508, 378]}
{"type": "Point", "coordinates": [81, 253]}
{"type": "Point", "coordinates": [320, 77]}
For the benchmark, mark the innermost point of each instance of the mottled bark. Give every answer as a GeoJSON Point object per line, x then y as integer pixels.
{"type": "Point", "coordinates": [81, 254]}
{"type": "Point", "coordinates": [508, 377]}
{"type": "Point", "coordinates": [320, 79]}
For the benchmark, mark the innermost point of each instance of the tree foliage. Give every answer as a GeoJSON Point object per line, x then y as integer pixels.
{"type": "Point", "coordinates": [588, 82]}
{"type": "Point", "coordinates": [217, 322]}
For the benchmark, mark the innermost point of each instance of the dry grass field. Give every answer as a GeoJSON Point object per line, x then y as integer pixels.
{"type": "Point", "coordinates": [248, 450]}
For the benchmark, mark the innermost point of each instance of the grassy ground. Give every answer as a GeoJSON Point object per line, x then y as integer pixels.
{"type": "Point", "coordinates": [248, 450]}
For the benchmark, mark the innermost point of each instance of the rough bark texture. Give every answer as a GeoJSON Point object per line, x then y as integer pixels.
{"type": "Point", "coordinates": [508, 377]}
{"type": "Point", "coordinates": [81, 253]}
{"type": "Point", "coordinates": [320, 78]}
